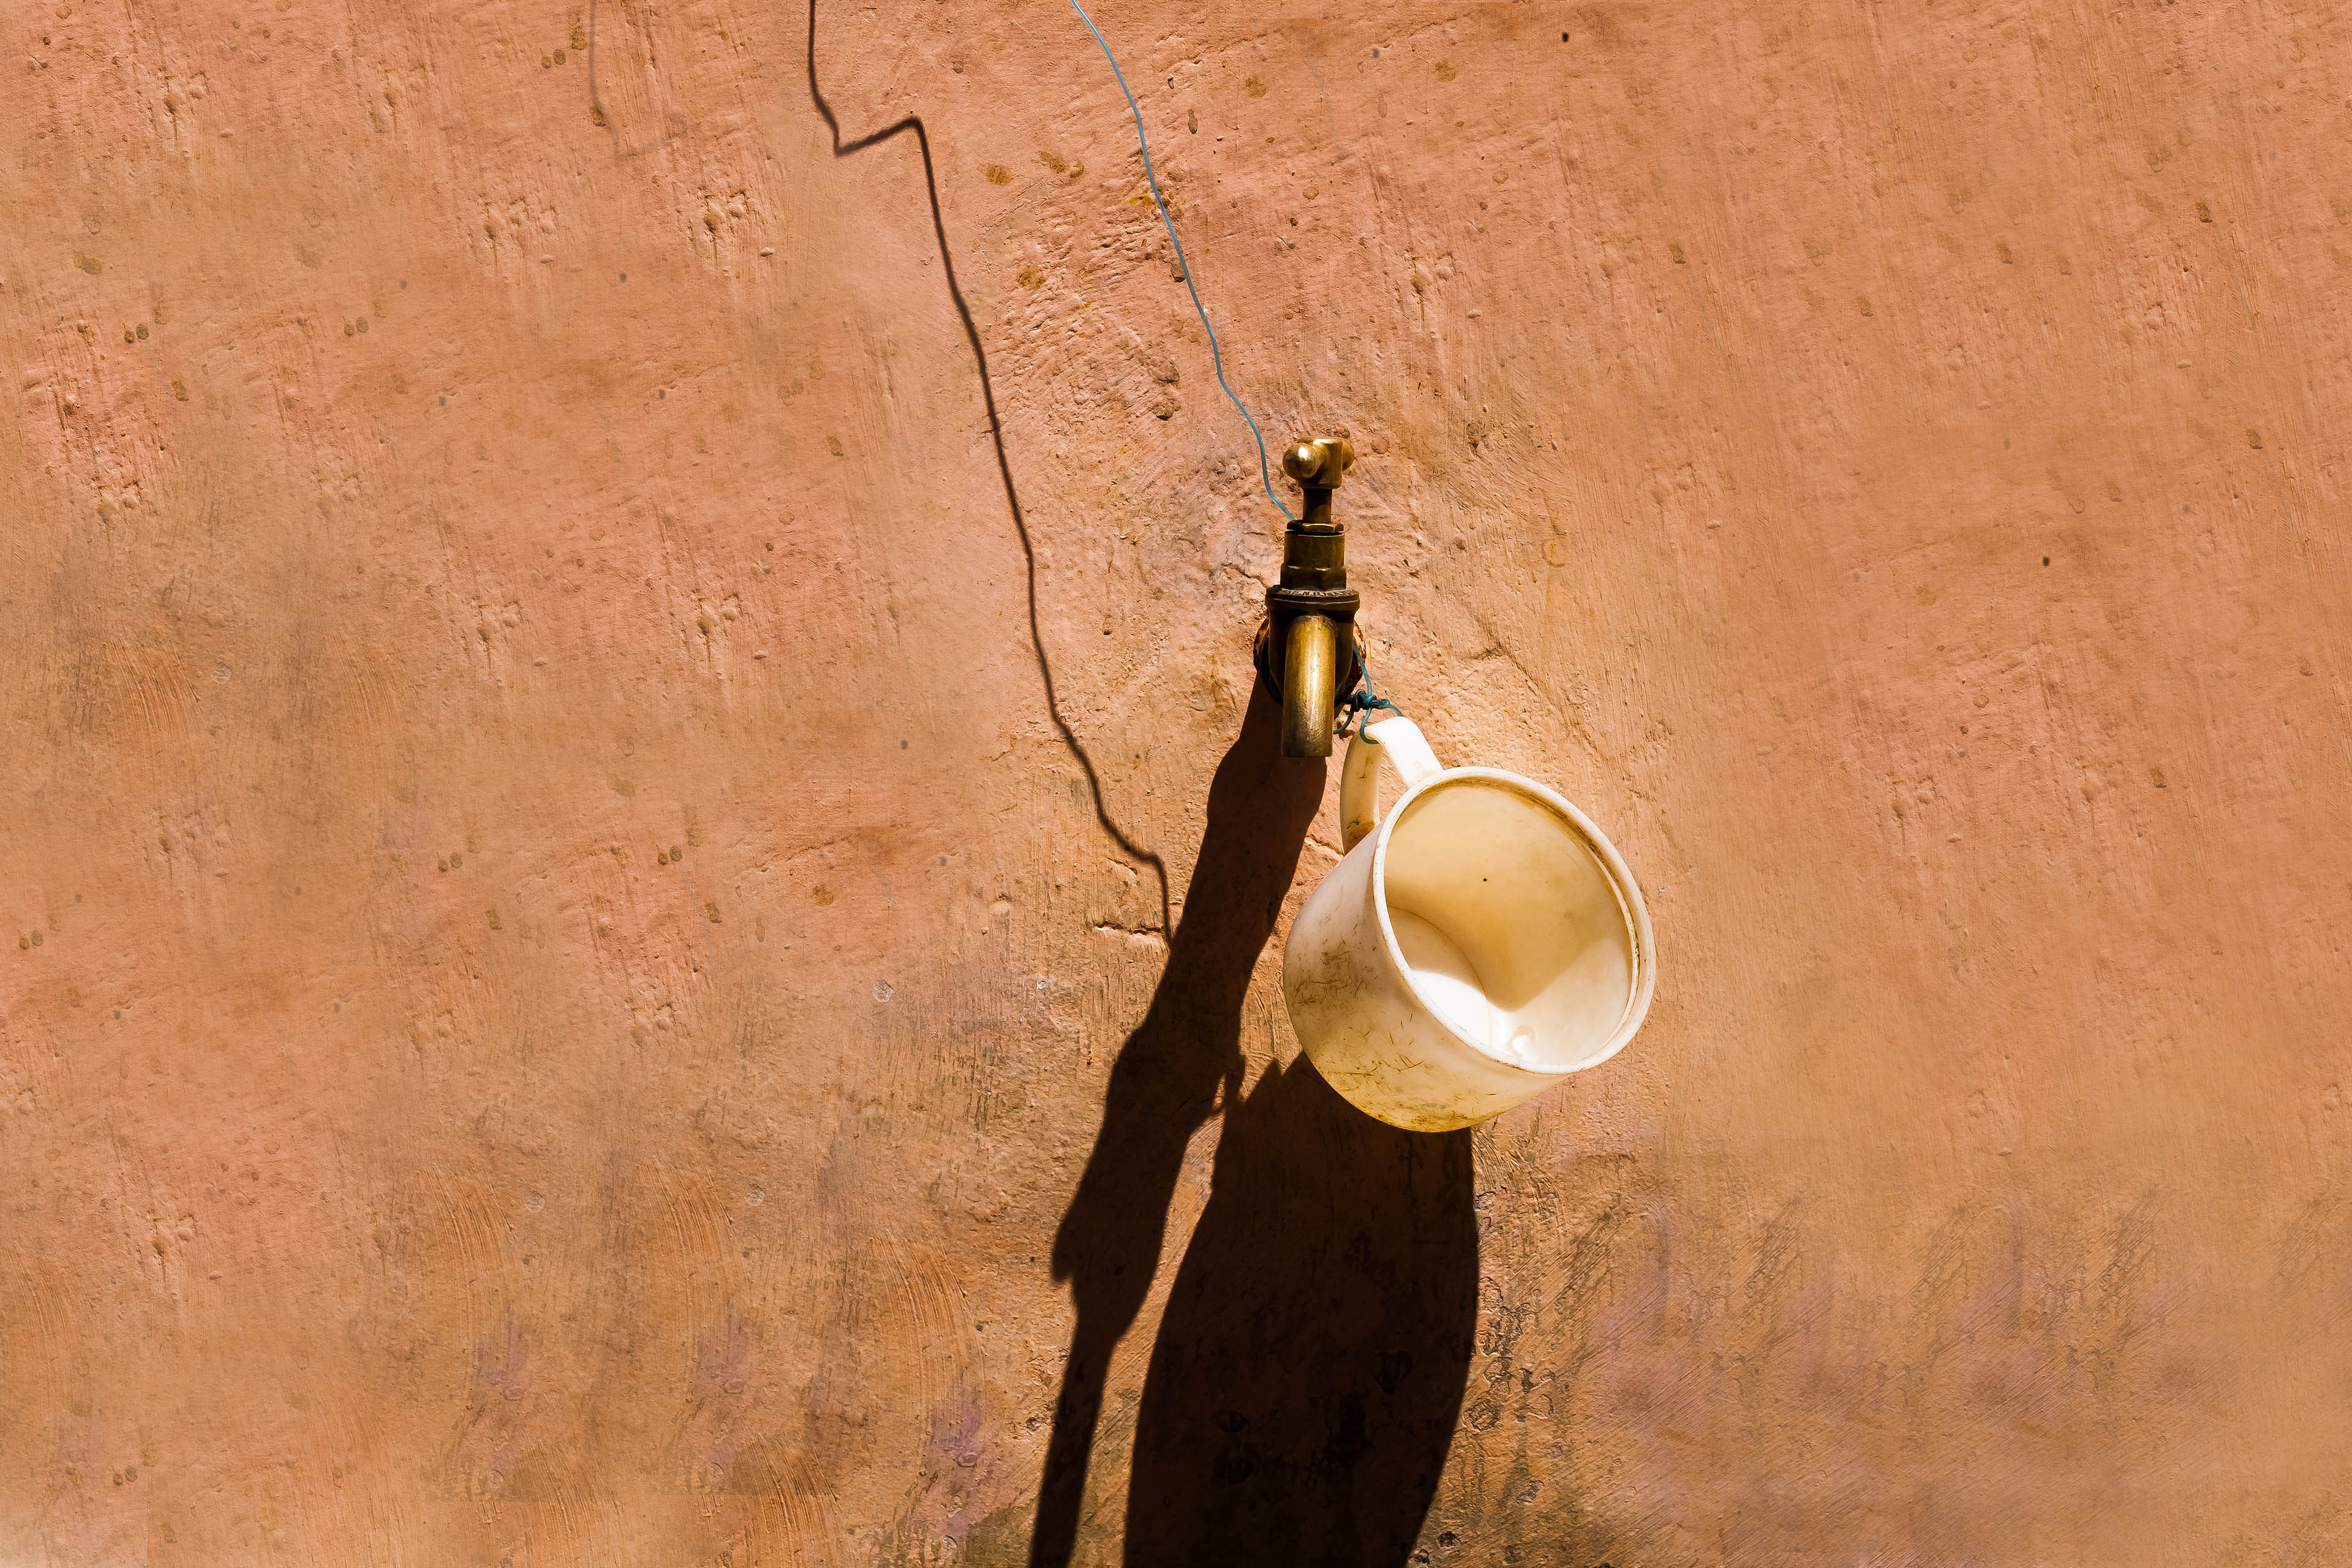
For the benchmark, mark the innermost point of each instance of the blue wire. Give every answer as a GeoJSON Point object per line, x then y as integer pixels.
{"type": "Point", "coordinates": [1265, 474]}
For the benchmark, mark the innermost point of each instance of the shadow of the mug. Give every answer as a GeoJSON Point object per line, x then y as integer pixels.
{"type": "Point", "coordinates": [1303, 1386]}
{"type": "Point", "coordinates": [1309, 1370]}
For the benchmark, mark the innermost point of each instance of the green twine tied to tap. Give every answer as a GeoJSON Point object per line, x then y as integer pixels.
{"type": "Point", "coordinates": [1355, 709]}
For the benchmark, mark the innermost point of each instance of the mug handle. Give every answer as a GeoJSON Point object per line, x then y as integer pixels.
{"type": "Point", "coordinates": [1360, 776]}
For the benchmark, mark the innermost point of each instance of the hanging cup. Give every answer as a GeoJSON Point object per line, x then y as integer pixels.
{"type": "Point", "coordinates": [1479, 946]}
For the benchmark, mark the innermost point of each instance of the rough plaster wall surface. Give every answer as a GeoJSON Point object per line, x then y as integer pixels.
{"type": "Point", "coordinates": [608, 957]}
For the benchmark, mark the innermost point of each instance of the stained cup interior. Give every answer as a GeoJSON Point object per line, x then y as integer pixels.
{"type": "Point", "coordinates": [1510, 923]}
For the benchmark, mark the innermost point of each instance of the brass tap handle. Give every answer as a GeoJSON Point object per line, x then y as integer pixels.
{"type": "Point", "coordinates": [1317, 466]}
{"type": "Point", "coordinates": [1321, 463]}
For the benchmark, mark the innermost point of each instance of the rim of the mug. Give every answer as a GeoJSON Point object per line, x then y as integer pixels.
{"type": "Point", "coordinates": [1621, 879]}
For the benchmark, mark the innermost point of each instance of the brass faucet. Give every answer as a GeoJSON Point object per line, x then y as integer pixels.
{"type": "Point", "coordinates": [1307, 646]}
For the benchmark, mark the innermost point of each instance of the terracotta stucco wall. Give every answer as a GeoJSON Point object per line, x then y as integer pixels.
{"type": "Point", "coordinates": [579, 888]}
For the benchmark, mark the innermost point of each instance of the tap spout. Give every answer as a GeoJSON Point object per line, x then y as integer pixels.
{"type": "Point", "coordinates": [1310, 680]}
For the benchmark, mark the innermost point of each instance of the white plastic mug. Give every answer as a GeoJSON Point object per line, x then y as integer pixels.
{"type": "Point", "coordinates": [1479, 946]}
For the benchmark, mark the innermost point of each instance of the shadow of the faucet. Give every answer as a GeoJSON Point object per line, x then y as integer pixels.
{"type": "Point", "coordinates": [1304, 1385]}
